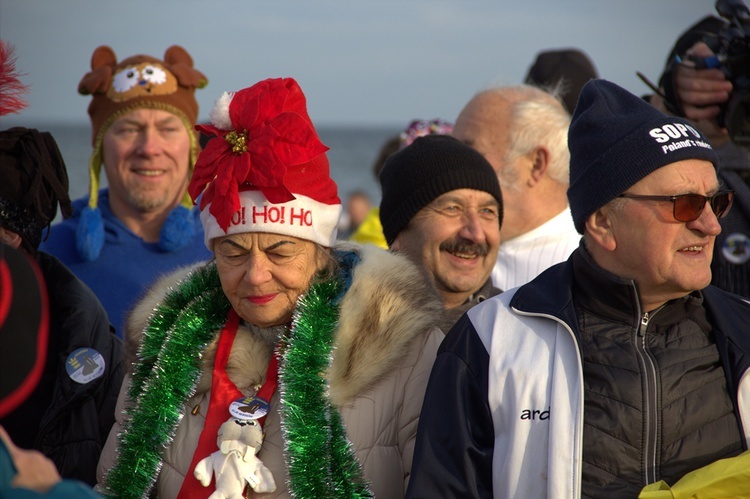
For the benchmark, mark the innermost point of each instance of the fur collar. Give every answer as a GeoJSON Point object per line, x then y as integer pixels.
{"type": "Point", "coordinates": [389, 303]}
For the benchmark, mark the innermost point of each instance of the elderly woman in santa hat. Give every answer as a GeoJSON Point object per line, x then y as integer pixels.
{"type": "Point", "coordinates": [326, 348]}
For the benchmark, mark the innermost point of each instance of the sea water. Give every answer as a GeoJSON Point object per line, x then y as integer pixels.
{"type": "Point", "coordinates": [352, 153]}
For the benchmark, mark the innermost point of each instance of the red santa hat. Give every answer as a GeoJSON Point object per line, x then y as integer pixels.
{"type": "Point", "coordinates": [266, 170]}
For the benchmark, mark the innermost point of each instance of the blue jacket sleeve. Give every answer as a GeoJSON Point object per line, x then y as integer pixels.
{"type": "Point", "coordinates": [63, 489]}
{"type": "Point", "coordinates": [455, 438]}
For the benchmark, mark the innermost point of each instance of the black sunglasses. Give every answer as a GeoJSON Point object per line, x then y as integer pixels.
{"type": "Point", "coordinates": [688, 207]}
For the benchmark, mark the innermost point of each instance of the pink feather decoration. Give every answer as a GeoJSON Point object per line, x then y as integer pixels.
{"type": "Point", "coordinates": [11, 88]}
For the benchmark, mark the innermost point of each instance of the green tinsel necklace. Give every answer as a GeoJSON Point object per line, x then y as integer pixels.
{"type": "Point", "coordinates": [319, 457]}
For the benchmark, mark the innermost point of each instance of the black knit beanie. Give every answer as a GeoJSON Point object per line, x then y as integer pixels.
{"type": "Point", "coordinates": [616, 139]}
{"type": "Point", "coordinates": [431, 166]}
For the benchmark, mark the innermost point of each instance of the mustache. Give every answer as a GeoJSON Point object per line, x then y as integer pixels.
{"type": "Point", "coordinates": [464, 246]}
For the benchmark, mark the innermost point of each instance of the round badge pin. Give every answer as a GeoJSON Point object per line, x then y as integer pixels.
{"type": "Point", "coordinates": [249, 408]}
{"type": "Point", "coordinates": [736, 248]}
{"type": "Point", "coordinates": [85, 365]}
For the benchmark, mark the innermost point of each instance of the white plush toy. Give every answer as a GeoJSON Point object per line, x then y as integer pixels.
{"type": "Point", "coordinates": [235, 461]}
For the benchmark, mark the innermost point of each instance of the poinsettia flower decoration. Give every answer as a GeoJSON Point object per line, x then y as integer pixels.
{"type": "Point", "coordinates": [265, 129]}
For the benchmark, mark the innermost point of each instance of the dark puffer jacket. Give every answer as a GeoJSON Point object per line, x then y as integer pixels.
{"type": "Point", "coordinates": [65, 419]}
{"type": "Point", "coordinates": [656, 404]}
{"type": "Point", "coordinates": [508, 389]}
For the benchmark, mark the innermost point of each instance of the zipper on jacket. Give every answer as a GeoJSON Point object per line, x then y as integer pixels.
{"type": "Point", "coordinates": [650, 400]}
{"type": "Point", "coordinates": [578, 428]}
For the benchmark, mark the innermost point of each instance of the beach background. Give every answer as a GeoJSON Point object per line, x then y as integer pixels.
{"type": "Point", "coordinates": [367, 68]}
{"type": "Point", "coordinates": [353, 150]}
{"type": "Point", "coordinates": [359, 63]}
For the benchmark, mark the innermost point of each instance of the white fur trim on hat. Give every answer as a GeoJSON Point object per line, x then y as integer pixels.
{"type": "Point", "coordinates": [219, 114]}
{"type": "Point", "coordinates": [302, 217]}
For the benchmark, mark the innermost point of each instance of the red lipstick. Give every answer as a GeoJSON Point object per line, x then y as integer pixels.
{"type": "Point", "coordinates": [262, 299]}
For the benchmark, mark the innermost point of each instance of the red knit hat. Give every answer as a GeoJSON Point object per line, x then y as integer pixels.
{"type": "Point", "coordinates": [24, 327]}
{"type": "Point", "coordinates": [267, 171]}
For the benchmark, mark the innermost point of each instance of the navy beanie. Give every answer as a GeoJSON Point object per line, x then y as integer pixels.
{"type": "Point", "coordinates": [428, 168]}
{"type": "Point", "coordinates": [616, 139]}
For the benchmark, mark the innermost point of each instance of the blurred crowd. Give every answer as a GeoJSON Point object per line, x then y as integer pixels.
{"type": "Point", "coordinates": [549, 300]}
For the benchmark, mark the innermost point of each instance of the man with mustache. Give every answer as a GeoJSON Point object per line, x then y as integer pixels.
{"type": "Point", "coordinates": [442, 207]}
{"type": "Point", "coordinates": [618, 369]}
{"type": "Point", "coordinates": [522, 131]}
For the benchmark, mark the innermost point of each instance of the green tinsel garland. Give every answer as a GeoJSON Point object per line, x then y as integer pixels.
{"type": "Point", "coordinates": [165, 378]}
{"type": "Point", "coordinates": [320, 458]}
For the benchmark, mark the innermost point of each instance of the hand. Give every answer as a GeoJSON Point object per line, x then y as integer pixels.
{"type": "Point", "coordinates": [701, 91]}
{"type": "Point", "coordinates": [35, 471]}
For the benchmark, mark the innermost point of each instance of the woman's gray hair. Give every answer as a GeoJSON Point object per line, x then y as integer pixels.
{"type": "Point", "coordinates": [328, 265]}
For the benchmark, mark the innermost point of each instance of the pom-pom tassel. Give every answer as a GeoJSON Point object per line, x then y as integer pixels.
{"type": "Point", "coordinates": [178, 230]}
{"type": "Point", "coordinates": [90, 234]}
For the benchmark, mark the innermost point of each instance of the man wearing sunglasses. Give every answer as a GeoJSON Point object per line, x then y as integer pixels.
{"type": "Point", "coordinates": [619, 368]}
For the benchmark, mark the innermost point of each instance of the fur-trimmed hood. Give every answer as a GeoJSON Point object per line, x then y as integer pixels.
{"type": "Point", "coordinates": [389, 303]}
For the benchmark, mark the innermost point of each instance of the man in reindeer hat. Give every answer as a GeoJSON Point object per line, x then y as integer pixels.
{"type": "Point", "coordinates": [120, 238]}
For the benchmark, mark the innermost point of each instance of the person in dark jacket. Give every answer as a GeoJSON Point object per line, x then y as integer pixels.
{"type": "Point", "coordinates": [24, 331]}
{"type": "Point", "coordinates": [619, 368]}
{"type": "Point", "coordinates": [68, 415]}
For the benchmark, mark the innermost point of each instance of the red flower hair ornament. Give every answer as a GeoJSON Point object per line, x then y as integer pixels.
{"type": "Point", "coordinates": [264, 130]}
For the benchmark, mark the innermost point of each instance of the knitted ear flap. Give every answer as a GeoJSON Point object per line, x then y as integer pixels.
{"type": "Point", "coordinates": [90, 229]}
{"type": "Point", "coordinates": [90, 234]}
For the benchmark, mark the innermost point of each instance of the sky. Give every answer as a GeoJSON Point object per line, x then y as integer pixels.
{"type": "Point", "coordinates": [359, 62]}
